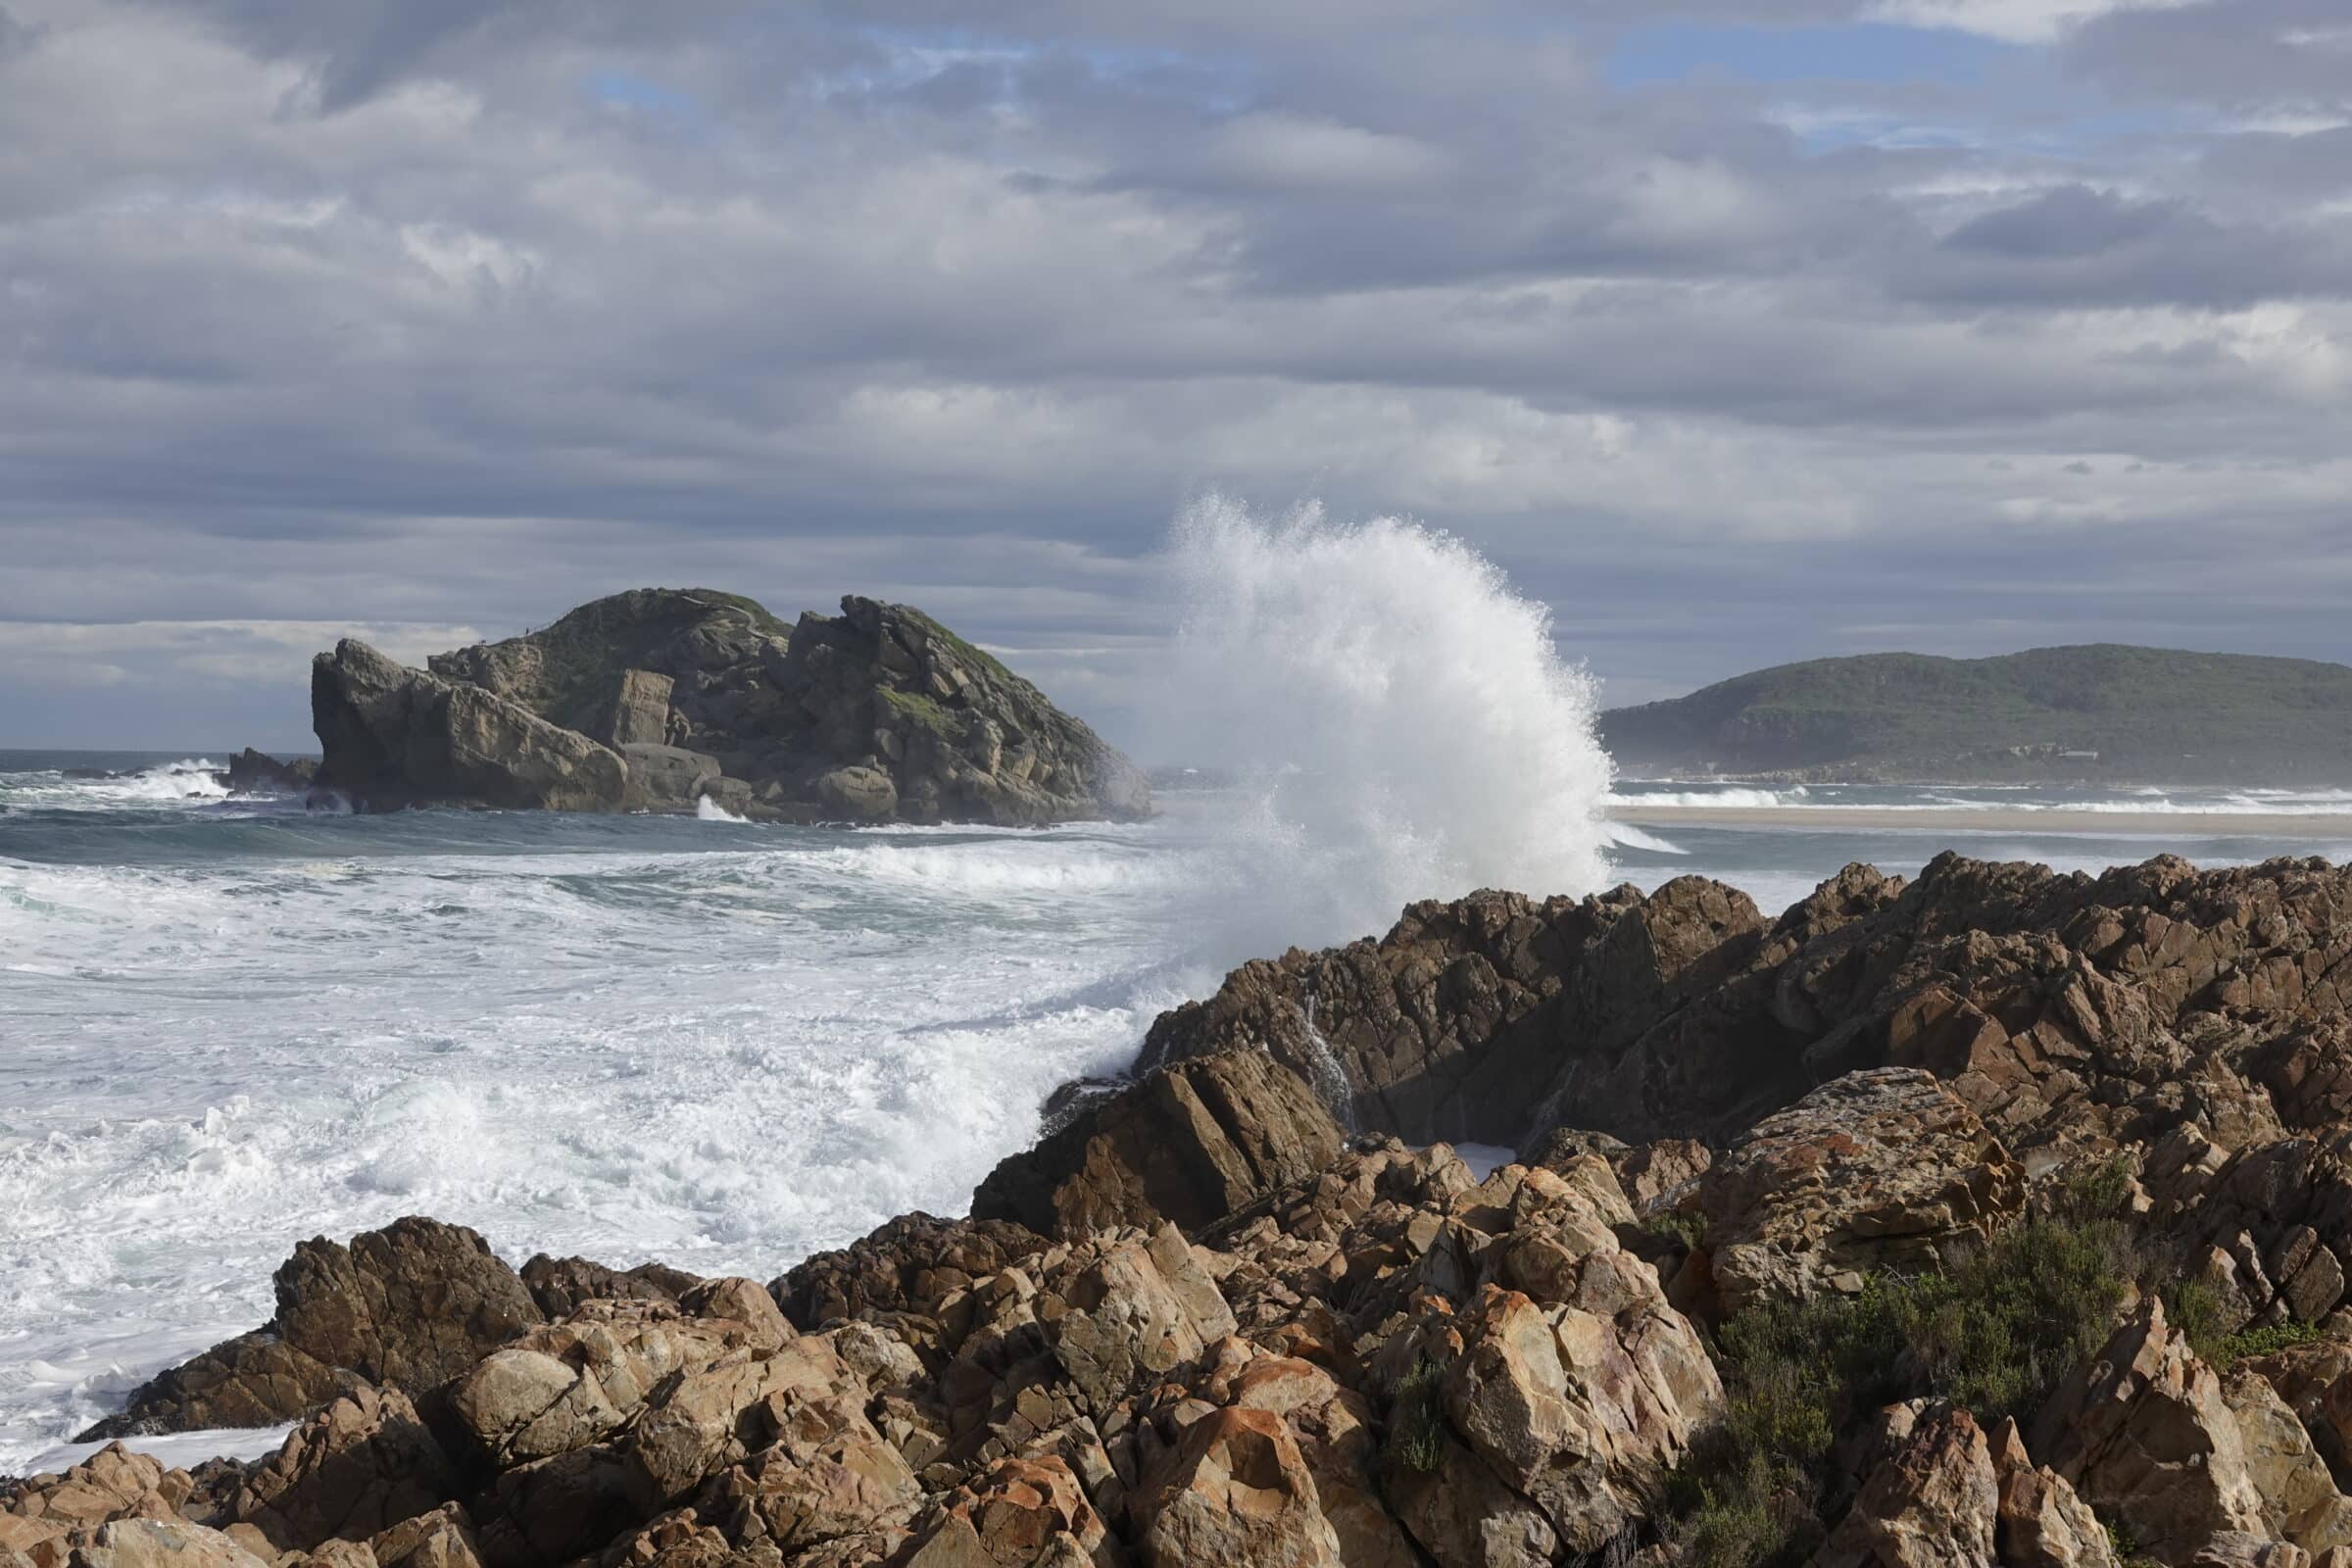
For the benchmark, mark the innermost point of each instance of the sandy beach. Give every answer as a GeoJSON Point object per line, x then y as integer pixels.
{"type": "Point", "coordinates": [2154, 824]}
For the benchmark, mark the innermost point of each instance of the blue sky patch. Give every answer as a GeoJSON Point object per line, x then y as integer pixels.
{"type": "Point", "coordinates": [1871, 52]}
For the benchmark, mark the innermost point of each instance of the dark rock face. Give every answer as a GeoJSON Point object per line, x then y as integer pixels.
{"type": "Point", "coordinates": [2140, 998]}
{"type": "Point", "coordinates": [408, 1306]}
{"type": "Point", "coordinates": [653, 698]}
{"type": "Point", "coordinates": [906, 1266]}
{"type": "Point", "coordinates": [1191, 1143]}
{"type": "Point", "coordinates": [252, 772]}
{"type": "Point", "coordinates": [396, 737]}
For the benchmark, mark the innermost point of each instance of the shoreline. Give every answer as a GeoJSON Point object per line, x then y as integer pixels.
{"type": "Point", "coordinates": [1996, 819]}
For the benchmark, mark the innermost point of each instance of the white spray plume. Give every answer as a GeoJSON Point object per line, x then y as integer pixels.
{"type": "Point", "coordinates": [1402, 720]}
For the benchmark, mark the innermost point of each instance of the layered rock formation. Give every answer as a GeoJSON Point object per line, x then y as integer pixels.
{"type": "Point", "coordinates": [1206, 1323]}
{"type": "Point", "coordinates": [656, 699]}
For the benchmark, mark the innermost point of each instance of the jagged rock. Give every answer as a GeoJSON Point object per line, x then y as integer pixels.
{"type": "Point", "coordinates": [1131, 1307]}
{"type": "Point", "coordinates": [255, 1380]}
{"type": "Point", "coordinates": [159, 1544]}
{"type": "Point", "coordinates": [877, 713]}
{"type": "Point", "coordinates": [2041, 1522]}
{"type": "Point", "coordinates": [1019, 1513]}
{"type": "Point", "coordinates": [1192, 1143]}
{"type": "Point", "coordinates": [859, 793]}
{"type": "Point", "coordinates": [410, 1306]}
{"type": "Point", "coordinates": [696, 1425]}
{"type": "Point", "coordinates": [442, 1538]}
{"type": "Point", "coordinates": [2301, 1501]}
{"type": "Point", "coordinates": [2064, 1009]}
{"type": "Point", "coordinates": [571, 1383]}
{"type": "Point", "coordinates": [1880, 1169]}
{"type": "Point", "coordinates": [1238, 1494]}
{"type": "Point", "coordinates": [667, 778]}
{"type": "Point", "coordinates": [827, 1476]}
{"type": "Point", "coordinates": [1581, 1409]}
{"type": "Point", "coordinates": [2144, 1436]}
{"type": "Point", "coordinates": [357, 1467]}
{"type": "Point", "coordinates": [556, 1510]}
{"type": "Point", "coordinates": [394, 737]}
{"type": "Point", "coordinates": [909, 1264]}
{"type": "Point", "coordinates": [252, 772]}
{"type": "Point", "coordinates": [639, 714]}
{"type": "Point", "coordinates": [1932, 1504]}
{"type": "Point", "coordinates": [38, 1517]}
{"type": "Point", "coordinates": [560, 1286]}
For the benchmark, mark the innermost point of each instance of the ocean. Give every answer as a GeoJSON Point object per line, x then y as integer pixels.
{"type": "Point", "coordinates": [233, 1023]}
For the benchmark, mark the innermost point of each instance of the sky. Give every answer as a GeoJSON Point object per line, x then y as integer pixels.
{"type": "Point", "coordinates": [1736, 331]}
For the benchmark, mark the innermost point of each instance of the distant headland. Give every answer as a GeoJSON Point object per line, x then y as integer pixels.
{"type": "Point", "coordinates": [2102, 712]}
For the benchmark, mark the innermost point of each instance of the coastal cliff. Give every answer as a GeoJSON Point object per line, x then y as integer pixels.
{"type": "Point", "coordinates": [1991, 1217]}
{"type": "Point", "coordinates": [658, 698]}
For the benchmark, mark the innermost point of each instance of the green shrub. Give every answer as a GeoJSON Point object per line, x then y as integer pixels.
{"type": "Point", "coordinates": [1686, 1229]}
{"type": "Point", "coordinates": [2249, 1343]}
{"type": "Point", "coordinates": [1417, 1438]}
{"type": "Point", "coordinates": [1996, 1333]}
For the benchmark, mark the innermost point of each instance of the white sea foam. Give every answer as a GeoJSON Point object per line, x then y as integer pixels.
{"type": "Point", "coordinates": [1722, 796]}
{"type": "Point", "coordinates": [710, 810]}
{"type": "Point", "coordinates": [1405, 724]}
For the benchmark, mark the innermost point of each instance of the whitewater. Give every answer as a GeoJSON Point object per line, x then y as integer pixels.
{"type": "Point", "coordinates": [233, 1023]}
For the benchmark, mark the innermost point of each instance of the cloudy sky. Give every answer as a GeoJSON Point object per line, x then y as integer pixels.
{"type": "Point", "coordinates": [1736, 330]}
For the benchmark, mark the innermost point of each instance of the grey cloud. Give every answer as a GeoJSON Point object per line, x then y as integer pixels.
{"type": "Point", "coordinates": [456, 314]}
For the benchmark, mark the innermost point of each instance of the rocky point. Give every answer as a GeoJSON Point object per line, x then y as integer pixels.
{"type": "Point", "coordinates": [1251, 1307]}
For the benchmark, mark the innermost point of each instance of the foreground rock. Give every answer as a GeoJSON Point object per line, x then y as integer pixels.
{"type": "Point", "coordinates": [408, 1306]}
{"type": "Point", "coordinates": [657, 699]}
{"type": "Point", "coordinates": [1204, 1322]}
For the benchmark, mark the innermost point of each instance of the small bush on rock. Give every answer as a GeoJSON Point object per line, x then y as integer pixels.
{"type": "Point", "coordinates": [1996, 1333]}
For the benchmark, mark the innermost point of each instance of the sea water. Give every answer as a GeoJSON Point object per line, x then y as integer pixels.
{"type": "Point", "coordinates": [230, 1024]}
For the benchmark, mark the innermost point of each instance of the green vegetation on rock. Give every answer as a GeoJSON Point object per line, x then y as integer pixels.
{"type": "Point", "coordinates": [919, 709]}
{"type": "Point", "coordinates": [1996, 1335]}
{"type": "Point", "coordinates": [2149, 714]}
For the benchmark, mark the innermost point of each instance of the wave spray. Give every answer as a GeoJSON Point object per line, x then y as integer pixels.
{"type": "Point", "coordinates": [1398, 720]}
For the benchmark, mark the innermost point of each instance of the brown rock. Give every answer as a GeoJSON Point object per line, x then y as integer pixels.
{"type": "Point", "coordinates": [1191, 1143]}
{"type": "Point", "coordinates": [159, 1544]}
{"type": "Point", "coordinates": [1238, 1494]}
{"type": "Point", "coordinates": [442, 1538]}
{"type": "Point", "coordinates": [560, 1286]}
{"type": "Point", "coordinates": [357, 1467]}
{"type": "Point", "coordinates": [1932, 1504]}
{"type": "Point", "coordinates": [2144, 1434]}
{"type": "Point", "coordinates": [1884, 1169]}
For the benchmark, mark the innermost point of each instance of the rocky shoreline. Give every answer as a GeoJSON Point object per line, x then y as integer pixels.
{"type": "Point", "coordinates": [1993, 1216]}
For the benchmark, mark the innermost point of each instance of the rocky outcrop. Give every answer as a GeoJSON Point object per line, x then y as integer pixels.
{"type": "Point", "coordinates": [1935, 1502]}
{"type": "Point", "coordinates": [2068, 1011]}
{"type": "Point", "coordinates": [1877, 1171]}
{"type": "Point", "coordinates": [655, 699]}
{"type": "Point", "coordinates": [2144, 1434]}
{"type": "Point", "coordinates": [1190, 1142]}
{"type": "Point", "coordinates": [394, 737]}
{"type": "Point", "coordinates": [1205, 1322]}
{"type": "Point", "coordinates": [408, 1306]}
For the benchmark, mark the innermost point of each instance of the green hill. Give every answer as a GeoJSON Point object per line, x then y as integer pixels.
{"type": "Point", "coordinates": [2150, 714]}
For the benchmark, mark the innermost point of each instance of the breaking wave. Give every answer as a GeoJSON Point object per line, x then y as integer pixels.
{"type": "Point", "coordinates": [1402, 723]}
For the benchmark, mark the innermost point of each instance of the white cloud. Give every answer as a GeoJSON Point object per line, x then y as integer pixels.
{"type": "Point", "coordinates": [2026, 22]}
